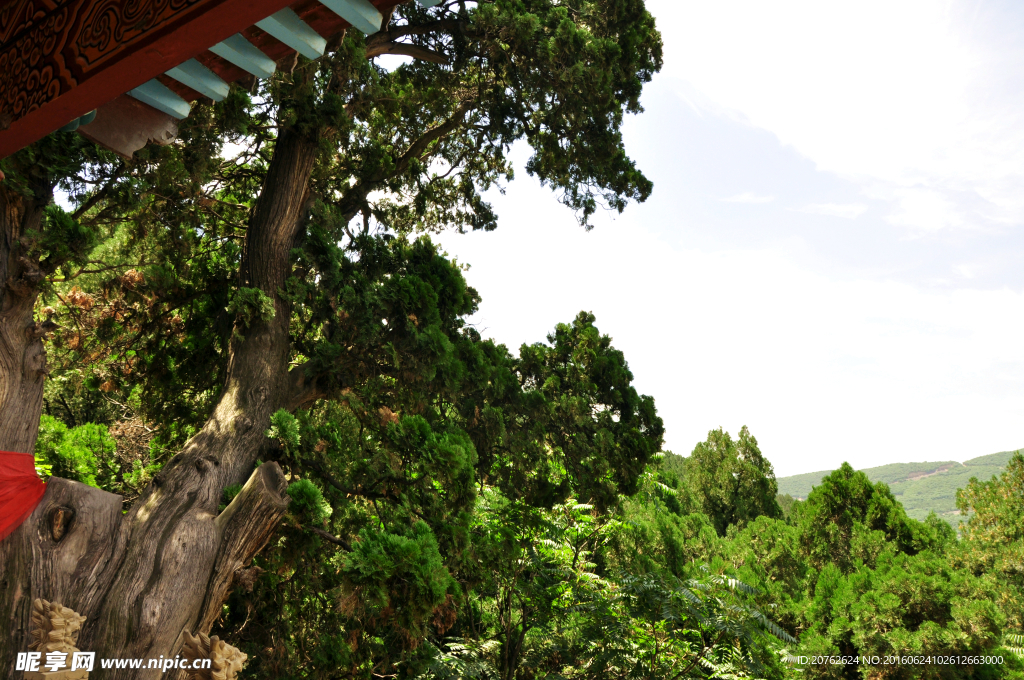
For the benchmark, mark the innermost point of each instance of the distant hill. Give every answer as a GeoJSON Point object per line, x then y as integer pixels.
{"type": "Point", "coordinates": [920, 487]}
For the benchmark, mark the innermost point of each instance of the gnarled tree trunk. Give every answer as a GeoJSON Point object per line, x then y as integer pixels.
{"type": "Point", "coordinates": [144, 577]}
{"type": "Point", "coordinates": [22, 357]}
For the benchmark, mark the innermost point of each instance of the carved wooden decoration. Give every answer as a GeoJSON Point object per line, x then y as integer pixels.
{"type": "Point", "coordinates": [50, 47]}
{"type": "Point", "coordinates": [55, 629]}
{"type": "Point", "coordinates": [61, 59]}
{"type": "Point", "coordinates": [225, 660]}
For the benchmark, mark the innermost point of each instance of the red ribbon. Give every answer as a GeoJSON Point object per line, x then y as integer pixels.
{"type": "Point", "coordinates": [21, 489]}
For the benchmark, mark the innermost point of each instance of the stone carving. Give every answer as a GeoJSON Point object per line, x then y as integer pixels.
{"type": "Point", "coordinates": [55, 631]}
{"type": "Point", "coordinates": [225, 660]}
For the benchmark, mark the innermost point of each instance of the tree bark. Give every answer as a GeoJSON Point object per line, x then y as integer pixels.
{"type": "Point", "coordinates": [73, 544]}
{"type": "Point", "coordinates": [167, 566]}
{"type": "Point", "coordinates": [22, 356]}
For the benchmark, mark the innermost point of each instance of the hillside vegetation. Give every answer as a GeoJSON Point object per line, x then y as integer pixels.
{"type": "Point", "coordinates": [920, 487]}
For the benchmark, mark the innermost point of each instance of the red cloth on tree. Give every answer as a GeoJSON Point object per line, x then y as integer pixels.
{"type": "Point", "coordinates": [21, 489]}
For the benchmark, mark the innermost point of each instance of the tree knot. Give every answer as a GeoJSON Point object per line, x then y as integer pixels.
{"type": "Point", "coordinates": [246, 578]}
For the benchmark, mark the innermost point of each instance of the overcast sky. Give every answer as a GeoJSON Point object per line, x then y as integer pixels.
{"type": "Point", "coordinates": [833, 254]}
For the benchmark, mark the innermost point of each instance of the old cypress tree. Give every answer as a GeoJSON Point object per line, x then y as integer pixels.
{"type": "Point", "coordinates": [265, 265]}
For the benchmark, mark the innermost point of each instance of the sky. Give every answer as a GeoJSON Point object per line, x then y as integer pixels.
{"type": "Point", "coordinates": [833, 251]}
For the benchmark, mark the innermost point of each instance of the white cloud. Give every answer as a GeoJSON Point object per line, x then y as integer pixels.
{"type": "Point", "coordinates": [748, 197]}
{"type": "Point", "coordinates": [918, 95]}
{"type": "Point", "coordinates": [821, 370]}
{"type": "Point", "coordinates": [967, 271]}
{"type": "Point", "coordinates": [925, 210]}
{"type": "Point", "coordinates": [845, 210]}
{"type": "Point", "coordinates": [914, 105]}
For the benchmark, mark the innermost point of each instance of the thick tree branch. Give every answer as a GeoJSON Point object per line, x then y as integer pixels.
{"type": "Point", "coordinates": [420, 145]}
{"type": "Point", "coordinates": [112, 267]}
{"type": "Point", "coordinates": [320, 470]}
{"type": "Point", "coordinates": [66, 551]}
{"type": "Point", "coordinates": [246, 525]}
{"type": "Point", "coordinates": [330, 537]}
{"type": "Point", "coordinates": [304, 390]}
{"type": "Point", "coordinates": [355, 198]}
{"type": "Point", "coordinates": [100, 194]}
{"type": "Point", "coordinates": [22, 355]}
{"type": "Point", "coordinates": [277, 215]}
{"type": "Point", "coordinates": [407, 50]}
{"type": "Point", "coordinates": [392, 34]}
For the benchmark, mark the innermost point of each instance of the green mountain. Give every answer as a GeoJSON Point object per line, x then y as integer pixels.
{"type": "Point", "coordinates": [921, 487]}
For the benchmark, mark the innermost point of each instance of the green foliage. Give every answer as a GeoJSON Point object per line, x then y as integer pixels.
{"type": "Point", "coordinates": [140, 475]}
{"type": "Point", "coordinates": [444, 577]}
{"type": "Point", "coordinates": [847, 518]}
{"type": "Point", "coordinates": [1014, 644]}
{"type": "Point", "coordinates": [307, 501]}
{"type": "Point", "coordinates": [768, 553]}
{"type": "Point", "coordinates": [993, 536]}
{"type": "Point", "coordinates": [84, 453]}
{"type": "Point", "coordinates": [230, 492]}
{"type": "Point", "coordinates": [920, 487]}
{"type": "Point", "coordinates": [457, 509]}
{"type": "Point", "coordinates": [249, 305]}
{"type": "Point", "coordinates": [590, 434]}
{"type": "Point", "coordinates": [659, 627]}
{"type": "Point", "coordinates": [62, 242]}
{"type": "Point", "coordinates": [907, 604]}
{"type": "Point", "coordinates": [731, 482]}
{"type": "Point", "coordinates": [654, 540]}
{"type": "Point", "coordinates": [405, 150]}
{"type": "Point", "coordinates": [399, 579]}
{"type": "Point", "coordinates": [285, 429]}
{"type": "Point", "coordinates": [787, 504]}
{"type": "Point", "coordinates": [997, 506]}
